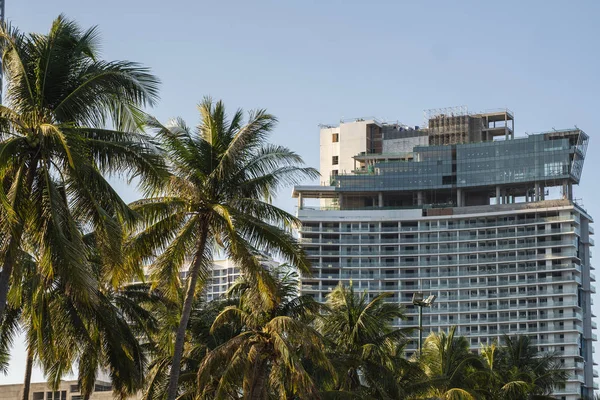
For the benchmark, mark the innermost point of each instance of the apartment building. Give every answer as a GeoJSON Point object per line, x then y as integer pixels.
{"type": "Point", "coordinates": [461, 209]}
{"type": "Point", "coordinates": [224, 273]}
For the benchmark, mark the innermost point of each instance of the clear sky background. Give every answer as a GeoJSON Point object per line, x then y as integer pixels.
{"type": "Point", "coordinates": [311, 62]}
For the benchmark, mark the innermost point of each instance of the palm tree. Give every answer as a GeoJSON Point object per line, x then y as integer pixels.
{"type": "Point", "coordinates": [493, 383]}
{"type": "Point", "coordinates": [267, 359]}
{"type": "Point", "coordinates": [522, 367]}
{"type": "Point", "coordinates": [62, 331]}
{"type": "Point", "coordinates": [449, 364]}
{"type": "Point", "coordinates": [199, 341]}
{"type": "Point", "coordinates": [366, 348]}
{"type": "Point", "coordinates": [69, 119]}
{"type": "Point", "coordinates": [223, 176]}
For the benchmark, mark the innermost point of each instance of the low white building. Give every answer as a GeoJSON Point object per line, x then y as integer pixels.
{"type": "Point", "coordinates": [67, 390]}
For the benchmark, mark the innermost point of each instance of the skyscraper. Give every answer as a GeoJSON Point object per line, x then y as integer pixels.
{"type": "Point", "coordinates": [461, 209]}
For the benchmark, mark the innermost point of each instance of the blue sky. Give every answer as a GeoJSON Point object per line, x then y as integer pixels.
{"type": "Point", "coordinates": [311, 62]}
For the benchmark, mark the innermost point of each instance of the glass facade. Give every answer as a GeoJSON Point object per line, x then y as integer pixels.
{"type": "Point", "coordinates": [514, 161]}
{"type": "Point", "coordinates": [543, 157]}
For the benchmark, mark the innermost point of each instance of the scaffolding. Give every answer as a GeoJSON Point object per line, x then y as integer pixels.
{"type": "Point", "coordinates": [455, 125]}
{"type": "Point", "coordinates": [448, 125]}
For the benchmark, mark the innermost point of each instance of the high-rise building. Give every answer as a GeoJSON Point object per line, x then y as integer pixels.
{"type": "Point", "coordinates": [461, 209]}
{"type": "Point", "coordinates": [223, 273]}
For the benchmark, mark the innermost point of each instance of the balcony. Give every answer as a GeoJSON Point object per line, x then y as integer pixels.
{"type": "Point", "coordinates": [576, 378]}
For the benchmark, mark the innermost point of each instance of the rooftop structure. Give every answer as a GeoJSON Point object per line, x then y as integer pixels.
{"type": "Point", "coordinates": [461, 209]}
{"type": "Point", "coordinates": [410, 167]}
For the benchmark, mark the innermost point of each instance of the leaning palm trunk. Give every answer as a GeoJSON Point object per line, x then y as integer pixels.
{"type": "Point", "coordinates": [190, 292]}
{"type": "Point", "coordinates": [257, 385]}
{"type": "Point", "coordinates": [28, 368]}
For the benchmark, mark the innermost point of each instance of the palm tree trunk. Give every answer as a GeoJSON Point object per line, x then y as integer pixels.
{"type": "Point", "coordinates": [28, 368]}
{"type": "Point", "coordinates": [7, 266]}
{"type": "Point", "coordinates": [192, 281]}
{"type": "Point", "coordinates": [14, 243]}
{"type": "Point", "coordinates": [257, 385]}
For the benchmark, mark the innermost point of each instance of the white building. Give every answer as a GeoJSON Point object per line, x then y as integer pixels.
{"type": "Point", "coordinates": [67, 390]}
{"type": "Point", "coordinates": [224, 273]}
{"type": "Point", "coordinates": [464, 217]}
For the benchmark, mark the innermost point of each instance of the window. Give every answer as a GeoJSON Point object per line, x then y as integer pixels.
{"type": "Point", "coordinates": [334, 172]}
{"type": "Point", "coordinates": [335, 160]}
{"type": "Point", "coordinates": [38, 396]}
{"type": "Point", "coordinates": [102, 388]}
{"type": "Point", "coordinates": [335, 138]}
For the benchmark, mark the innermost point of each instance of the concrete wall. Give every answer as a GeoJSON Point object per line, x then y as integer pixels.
{"type": "Point", "coordinates": [352, 141]}
{"type": "Point", "coordinates": [354, 137]}
{"type": "Point", "coordinates": [328, 149]}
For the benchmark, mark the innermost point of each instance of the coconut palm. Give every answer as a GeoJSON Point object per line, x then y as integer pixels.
{"type": "Point", "coordinates": [493, 383]}
{"type": "Point", "coordinates": [366, 348]}
{"type": "Point", "coordinates": [525, 371]}
{"type": "Point", "coordinates": [449, 365]}
{"type": "Point", "coordinates": [199, 341]}
{"type": "Point", "coordinates": [69, 119]}
{"type": "Point", "coordinates": [223, 176]}
{"type": "Point", "coordinates": [61, 332]}
{"type": "Point", "coordinates": [267, 359]}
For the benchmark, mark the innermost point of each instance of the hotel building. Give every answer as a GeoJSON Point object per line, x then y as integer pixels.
{"type": "Point", "coordinates": [462, 209]}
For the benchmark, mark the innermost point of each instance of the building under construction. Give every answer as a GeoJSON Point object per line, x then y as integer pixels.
{"type": "Point", "coordinates": [463, 210]}
{"type": "Point", "coordinates": [456, 126]}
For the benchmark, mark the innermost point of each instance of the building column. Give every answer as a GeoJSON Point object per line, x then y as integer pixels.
{"type": "Point", "coordinates": [498, 199]}
{"type": "Point", "coordinates": [380, 195]}
{"type": "Point", "coordinates": [420, 198]}
{"type": "Point", "coordinates": [542, 192]}
{"type": "Point", "coordinates": [570, 190]}
{"type": "Point", "coordinates": [537, 192]}
{"type": "Point", "coordinates": [565, 190]}
{"type": "Point", "coordinates": [300, 202]}
{"type": "Point", "coordinates": [459, 198]}
{"type": "Point", "coordinates": [340, 200]}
